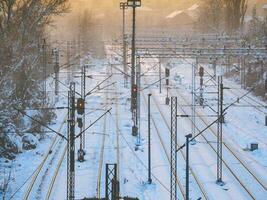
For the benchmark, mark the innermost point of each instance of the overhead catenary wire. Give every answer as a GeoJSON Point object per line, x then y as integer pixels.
{"type": "Point", "coordinates": [24, 113]}
{"type": "Point", "coordinates": [144, 165]}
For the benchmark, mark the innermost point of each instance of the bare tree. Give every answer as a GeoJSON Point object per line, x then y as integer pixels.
{"type": "Point", "coordinates": [235, 11]}
{"type": "Point", "coordinates": [210, 16]}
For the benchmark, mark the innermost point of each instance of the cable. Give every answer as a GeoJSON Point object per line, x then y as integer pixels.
{"type": "Point", "coordinates": [13, 195]}
{"type": "Point", "coordinates": [165, 187]}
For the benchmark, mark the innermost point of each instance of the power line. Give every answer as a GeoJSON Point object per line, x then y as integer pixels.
{"type": "Point", "coordinates": [42, 124]}
{"type": "Point", "coordinates": [129, 146]}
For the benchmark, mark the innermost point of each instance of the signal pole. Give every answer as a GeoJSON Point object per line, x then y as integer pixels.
{"type": "Point", "coordinates": [44, 68]}
{"type": "Point", "coordinates": [134, 4]}
{"type": "Point", "coordinates": [123, 7]}
{"type": "Point", "coordinates": [219, 129]}
{"type": "Point", "coordinates": [187, 167]}
{"type": "Point", "coordinates": [55, 54]}
{"type": "Point", "coordinates": [83, 96]}
{"type": "Point", "coordinates": [193, 97]}
{"type": "Point", "coordinates": [81, 123]}
{"type": "Point", "coordinates": [149, 141]}
{"type": "Point", "coordinates": [173, 181]}
{"type": "Point", "coordinates": [138, 100]}
{"type": "Point", "coordinates": [71, 144]}
{"type": "Point", "coordinates": [68, 60]}
{"type": "Point", "coordinates": [201, 74]}
{"type": "Point", "coordinates": [167, 75]}
{"type": "Point", "coordinates": [214, 67]}
{"type": "Point", "coordinates": [160, 75]}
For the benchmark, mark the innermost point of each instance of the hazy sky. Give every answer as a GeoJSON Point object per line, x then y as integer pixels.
{"type": "Point", "coordinates": [108, 14]}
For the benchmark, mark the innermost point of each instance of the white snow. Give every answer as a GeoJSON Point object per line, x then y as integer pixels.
{"type": "Point", "coordinates": [243, 126]}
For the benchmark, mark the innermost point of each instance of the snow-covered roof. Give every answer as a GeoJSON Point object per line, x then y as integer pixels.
{"type": "Point", "coordinates": [193, 7]}
{"type": "Point", "coordinates": [174, 14]}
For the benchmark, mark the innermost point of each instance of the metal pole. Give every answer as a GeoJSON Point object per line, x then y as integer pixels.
{"type": "Point", "coordinates": [44, 68]}
{"type": "Point", "coordinates": [123, 6]}
{"type": "Point", "coordinates": [194, 66]}
{"type": "Point", "coordinates": [159, 75]}
{"type": "Point", "coordinates": [83, 79]}
{"type": "Point", "coordinates": [71, 145]}
{"type": "Point", "coordinates": [201, 86]}
{"type": "Point", "coordinates": [133, 57]}
{"type": "Point", "coordinates": [219, 130]}
{"type": "Point", "coordinates": [228, 64]}
{"type": "Point", "coordinates": [56, 68]}
{"type": "Point", "coordinates": [262, 70]}
{"type": "Point", "coordinates": [187, 167]}
{"type": "Point", "coordinates": [82, 95]}
{"type": "Point", "coordinates": [214, 66]}
{"type": "Point", "coordinates": [173, 177]}
{"type": "Point", "coordinates": [138, 101]}
{"type": "Point", "coordinates": [244, 73]}
{"type": "Point", "coordinates": [84, 87]}
{"type": "Point", "coordinates": [68, 61]}
{"type": "Point", "coordinates": [111, 175]}
{"type": "Point", "coordinates": [149, 142]}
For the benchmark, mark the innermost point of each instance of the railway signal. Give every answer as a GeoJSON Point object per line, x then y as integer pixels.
{"type": "Point", "coordinates": [201, 74]}
{"type": "Point", "coordinates": [134, 106]}
{"type": "Point", "coordinates": [167, 75]}
{"type": "Point", "coordinates": [80, 106]}
{"type": "Point", "coordinates": [80, 122]}
{"type": "Point", "coordinates": [167, 72]}
{"type": "Point", "coordinates": [134, 88]}
{"type": "Point", "coordinates": [55, 54]}
{"type": "Point", "coordinates": [134, 4]}
{"type": "Point", "coordinates": [134, 92]}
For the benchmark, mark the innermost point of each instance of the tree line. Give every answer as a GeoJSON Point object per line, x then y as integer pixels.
{"type": "Point", "coordinates": [22, 31]}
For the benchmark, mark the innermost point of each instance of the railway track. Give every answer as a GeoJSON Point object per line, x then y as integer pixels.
{"type": "Point", "coordinates": [37, 174]}
{"type": "Point", "coordinates": [246, 185]}
{"type": "Point", "coordinates": [262, 189]}
{"type": "Point", "coordinates": [202, 190]}
{"type": "Point", "coordinates": [258, 180]}
{"type": "Point", "coordinates": [103, 141]}
{"type": "Point", "coordinates": [101, 156]}
{"type": "Point", "coordinates": [117, 135]}
{"type": "Point", "coordinates": [52, 183]}
{"type": "Point", "coordinates": [249, 100]}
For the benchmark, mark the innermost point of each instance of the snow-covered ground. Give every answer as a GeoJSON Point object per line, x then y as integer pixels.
{"type": "Point", "coordinates": [110, 141]}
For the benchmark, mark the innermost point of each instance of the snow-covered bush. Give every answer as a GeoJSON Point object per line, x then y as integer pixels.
{"type": "Point", "coordinates": [29, 141]}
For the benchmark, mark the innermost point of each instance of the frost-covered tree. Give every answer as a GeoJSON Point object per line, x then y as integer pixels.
{"type": "Point", "coordinates": [22, 27]}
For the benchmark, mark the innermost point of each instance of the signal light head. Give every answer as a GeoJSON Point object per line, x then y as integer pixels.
{"type": "Point", "coordinates": [80, 106]}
